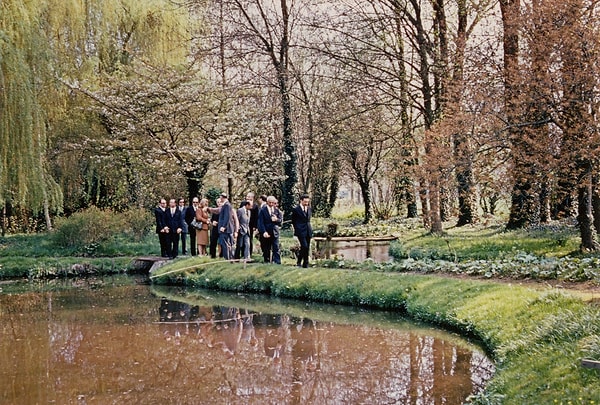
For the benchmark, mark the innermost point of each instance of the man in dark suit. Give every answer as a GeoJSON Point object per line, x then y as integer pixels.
{"type": "Point", "coordinates": [269, 221]}
{"type": "Point", "coordinates": [161, 227]}
{"type": "Point", "coordinates": [174, 221]}
{"type": "Point", "coordinates": [253, 219]}
{"type": "Point", "coordinates": [185, 230]}
{"type": "Point", "coordinates": [190, 214]}
{"type": "Point", "coordinates": [301, 215]}
{"type": "Point", "coordinates": [214, 231]}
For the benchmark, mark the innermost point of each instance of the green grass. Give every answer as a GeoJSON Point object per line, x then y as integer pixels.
{"type": "Point", "coordinates": [536, 337]}
{"type": "Point", "coordinates": [492, 242]}
{"type": "Point", "coordinates": [37, 256]}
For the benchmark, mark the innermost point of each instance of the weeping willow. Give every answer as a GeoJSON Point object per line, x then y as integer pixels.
{"type": "Point", "coordinates": [24, 179]}
{"type": "Point", "coordinates": [44, 43]}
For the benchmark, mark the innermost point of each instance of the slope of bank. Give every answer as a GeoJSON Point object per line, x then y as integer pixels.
{"type": "Point", "coordinates": [537, 338]}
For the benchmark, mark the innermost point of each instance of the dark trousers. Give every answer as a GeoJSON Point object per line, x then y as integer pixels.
{"type": "Point", "coordinates": [193, 251]}
{"type": "Point", "coordinates": [173, 244]}
{"type": "Point", "coordinates": [163, 239]}
{"type": "Point", "coordinates": [304, 249]}
{"type": "Point", "coordinates": [183, 240]}
{"type": "Point", "coordinates": [227, 245]}
{"type": "Point", "coordinates": [251, 234]}
{"type": "Point", "coordinates": [214, 241]}
{"type": "Point", "coordinates": [270, 248]}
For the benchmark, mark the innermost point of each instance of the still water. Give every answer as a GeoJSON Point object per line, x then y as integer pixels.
{"type": "Point", "coordinates": [118, 340]}
{"type": "Point", "coordinates": [358, 251]}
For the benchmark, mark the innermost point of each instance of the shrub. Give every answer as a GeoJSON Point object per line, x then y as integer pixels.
{"type": "Point", "coordinates": [137, 223]}
{"type": "Point", "coordinates": [84, 229]}
{"type": "Point", "coordinates": [88, 231]}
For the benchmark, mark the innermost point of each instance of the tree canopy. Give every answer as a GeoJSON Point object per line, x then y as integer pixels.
{"type": "Point", "coordinates": [438, 109]}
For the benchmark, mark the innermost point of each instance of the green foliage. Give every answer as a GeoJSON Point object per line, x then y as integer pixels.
{"type": "Point", "coordinates": [520, 266]}
{"type": "Point", "coordinates": [93, 231]}
{"type": "Point", "coordinates": [50, 267]}
{"type": "Point", "coordinates": [84, 229]}
{"type": "Point", "coordinates": [212, 194]}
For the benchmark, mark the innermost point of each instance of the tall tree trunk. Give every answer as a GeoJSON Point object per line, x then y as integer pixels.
{"type": "Point", "coordinates": [365, 191]}
{"type": "Point", "coordinates": [585, 217]}
{"type": "Point", "coordinates": [424, 197]}
{"type": "Point", "coordinates": [545, 193]}
{"type": "Point", "coordinates": [467, 198]}
{"type": "Point", "coordinates": [3, 223]}
{"type": "Point", "coordinates": [564, 206]}
{"type": "Point", "coordinates": [525, 203]}
{"type": "Point", "coordinates": [435, 210]}
{"type": "Point", "coordinates": [334, 186]}
{"type": "Point", "coordinates": [578, 88]}
{"type": "Point", "coordinates": [195, 179]}
{"type": "Point", "coordinates": [596, 202]}
{"type": "Point", "coordinates": [289, 150]}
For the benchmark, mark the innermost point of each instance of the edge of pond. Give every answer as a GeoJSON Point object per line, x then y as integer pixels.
{"type": "Point", "coordinates": [512, 321]}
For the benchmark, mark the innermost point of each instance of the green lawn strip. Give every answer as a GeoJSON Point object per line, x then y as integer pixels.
{"type": "Point", "coordinates": [43, 267]}
{"type": "Point", "coordinates": [537, 338]}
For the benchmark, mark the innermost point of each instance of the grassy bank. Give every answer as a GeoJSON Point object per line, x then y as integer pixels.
{"type": "Point", "coordinates": [39, 256]}
{"type": "Point", "coordinates": [537, 338]}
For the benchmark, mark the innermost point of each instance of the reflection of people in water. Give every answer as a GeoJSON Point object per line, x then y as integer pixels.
{"type": "Point", "coordinates": [303, 346]}
{"type": "Point", "coordinates": [275, 335]}
{"type": "Point", "coordinates": [178, 313]}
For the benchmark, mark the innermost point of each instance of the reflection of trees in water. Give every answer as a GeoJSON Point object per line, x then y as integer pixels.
{"type": "Point", "coordinates": [214, 354]}
{"type": "Point", "coordinates": [297, 360]}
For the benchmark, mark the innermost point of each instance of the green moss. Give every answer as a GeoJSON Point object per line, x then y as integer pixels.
{"type": "Point", "coordinates": [537, 337]}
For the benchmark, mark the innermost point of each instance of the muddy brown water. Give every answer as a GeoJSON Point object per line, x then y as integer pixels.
{"type": "Point", "coordinates": [118, 341]}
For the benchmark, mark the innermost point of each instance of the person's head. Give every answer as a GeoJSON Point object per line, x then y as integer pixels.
{"type": "Point", "coordinates": [271, 201]}
{"type": "Point", "coordinates": [181, 202]}
{"type": "Point", "coordinates": [195, 201]}
{"type": "Point", "coordinates": [250, 197]}
{"type": "Point", "coordinates": [262, 199]}
{"type": "Point", "coordinates": [204, 202]}
{"type": "Point", "coordinates": [247, 204]}
{"type": "Point", "coordinates": [304, 200]}
{"type": "Point", "coordinates": [172, 203]}
{"type": "Point", "coordinates": [162, 203]}
{"type": "Point", "coordinates": [223, 197]}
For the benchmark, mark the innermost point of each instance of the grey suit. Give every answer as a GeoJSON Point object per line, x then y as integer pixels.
{"type": "Point", "coordinates": [243, 239]}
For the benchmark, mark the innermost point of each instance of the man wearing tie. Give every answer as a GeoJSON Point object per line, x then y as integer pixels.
{"type": "Point", "coordinates": [190, 214]}
{"type": "Point", "coordinates": [160, 214]}
{"type": "Point", "coordinates": [174, 221]}
{"type": "Point", "coordinates": [269, 221]}
{"type": "Point", "coordinates": [301, 215]}
{"type": "Point", "coordinates": [184, 230]}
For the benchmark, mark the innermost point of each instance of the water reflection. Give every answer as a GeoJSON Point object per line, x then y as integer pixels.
{"type": "Point", "coordinates": [324, 362]}
{"type": "Point", "coordinates": [118, 343]}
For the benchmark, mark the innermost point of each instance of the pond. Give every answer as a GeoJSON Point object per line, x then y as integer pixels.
{"type": "Point", "coordinates": [118, 340]}
{"type": "Point", "coordinates": [356, 250]}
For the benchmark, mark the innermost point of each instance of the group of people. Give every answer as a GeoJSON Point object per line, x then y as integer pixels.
{"type": "Point", "coordinates": [229, 232]}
